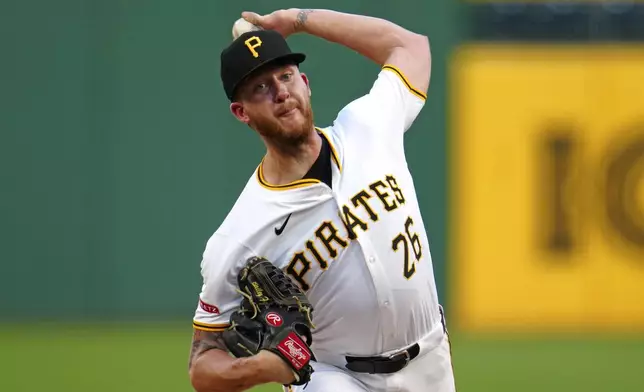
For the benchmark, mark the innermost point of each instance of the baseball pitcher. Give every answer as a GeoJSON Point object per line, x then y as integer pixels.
{"type": "Point", "coordinates": [320, 278]}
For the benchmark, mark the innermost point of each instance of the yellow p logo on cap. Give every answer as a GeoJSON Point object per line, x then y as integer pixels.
{"type": "Point", "coordinates": [252, 43]}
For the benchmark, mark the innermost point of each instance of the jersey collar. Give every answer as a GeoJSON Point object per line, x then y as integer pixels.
{"type": "Point", "coordinates": [299, 183]}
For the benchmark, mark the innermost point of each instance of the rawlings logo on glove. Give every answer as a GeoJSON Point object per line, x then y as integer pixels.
{"type": "Point", "coordinates": [293, 348]}
{"type": "Point", "coordinates": [274, 315]}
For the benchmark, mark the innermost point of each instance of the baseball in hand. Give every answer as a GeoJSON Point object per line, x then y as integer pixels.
{"type": "Point", "coordinates": [241, 26]}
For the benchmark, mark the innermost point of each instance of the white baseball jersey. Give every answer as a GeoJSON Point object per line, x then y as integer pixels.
{"type": "Point", "coordinates": [359, 249]}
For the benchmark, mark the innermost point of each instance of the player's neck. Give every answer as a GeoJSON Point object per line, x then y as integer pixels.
{"type": "Point", "coordinates": [284, 166]}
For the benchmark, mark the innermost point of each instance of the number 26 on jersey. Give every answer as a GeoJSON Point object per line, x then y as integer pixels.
{"type": "Point", "coordinates": [409, 243]}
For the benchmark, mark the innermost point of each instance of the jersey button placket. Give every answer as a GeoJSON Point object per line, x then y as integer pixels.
{"type": "Point", "coordinates": [383, 290]}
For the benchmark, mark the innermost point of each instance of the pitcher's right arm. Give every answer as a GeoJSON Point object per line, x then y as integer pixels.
{"type": "Point", "coordinates": [211, 367]}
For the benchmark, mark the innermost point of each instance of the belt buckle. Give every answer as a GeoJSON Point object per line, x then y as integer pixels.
{"type": "Point", "coordinates": [404, 353]}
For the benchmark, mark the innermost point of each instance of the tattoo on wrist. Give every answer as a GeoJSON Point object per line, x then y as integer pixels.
{"type": "Point", "coordinates": [302, 17]}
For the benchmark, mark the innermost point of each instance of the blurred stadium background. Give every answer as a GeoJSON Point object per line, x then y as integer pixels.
{"type": "Point", "coordinates": [119, 158]}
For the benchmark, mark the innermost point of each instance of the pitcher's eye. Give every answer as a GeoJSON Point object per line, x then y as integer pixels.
{"type": "Point", "coordinates": [261, 87]}
{"type": "Point", "coordinates": [287, 76]}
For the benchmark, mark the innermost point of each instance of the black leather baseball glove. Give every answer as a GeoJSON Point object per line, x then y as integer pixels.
{"type": "Point", "coordinates": [274, 315]}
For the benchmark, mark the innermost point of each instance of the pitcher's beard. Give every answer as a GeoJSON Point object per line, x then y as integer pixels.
{"type": "Point", "coordinates": [284, 139]}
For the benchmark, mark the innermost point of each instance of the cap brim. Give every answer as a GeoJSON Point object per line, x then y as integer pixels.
{"type": "Point", "coordinates": [295, 58]}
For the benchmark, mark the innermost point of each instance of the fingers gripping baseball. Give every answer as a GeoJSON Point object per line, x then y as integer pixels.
{"type": "Point", "coordinates": [282, 21]}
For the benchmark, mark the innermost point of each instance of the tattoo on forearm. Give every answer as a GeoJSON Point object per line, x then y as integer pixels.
{"type": "Point", "coordinates": [203, 341]}
{"type": "Point", "coordinates": [302, 17]}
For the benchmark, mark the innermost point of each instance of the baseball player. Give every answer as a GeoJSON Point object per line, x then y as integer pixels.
{"type": "Point", "coordinates": [335, 209]}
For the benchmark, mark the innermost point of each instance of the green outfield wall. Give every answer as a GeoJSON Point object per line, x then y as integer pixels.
{"type": "Point", "coordinates": [119, 157]}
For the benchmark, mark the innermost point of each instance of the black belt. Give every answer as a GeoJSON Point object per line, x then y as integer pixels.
{"type": "Point", "coordinates": [379, 365]}
{"type": "Point", "coordinates": [391, 364]}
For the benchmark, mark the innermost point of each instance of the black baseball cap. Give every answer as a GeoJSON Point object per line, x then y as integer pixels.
{"type": "Point", "coordinates": [250, 52]}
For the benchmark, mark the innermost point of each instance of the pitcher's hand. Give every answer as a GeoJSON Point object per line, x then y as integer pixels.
{"type": "Point", "coordinates": [285, 22]}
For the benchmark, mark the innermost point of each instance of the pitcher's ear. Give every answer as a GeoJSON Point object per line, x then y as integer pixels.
{"type": "Point", "coordinates": [237, 109]}
{"type": "Point", "coordinates": [306, 81]}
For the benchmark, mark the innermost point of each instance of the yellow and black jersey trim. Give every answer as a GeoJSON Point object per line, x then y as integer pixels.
{"type": "Point", "coordinates": [299, 183]}
{"type": "Point", "coordinates": [334, 152]}
{"type": "Point", "coordinates": [209, 327]}
{"type": "Point", "coordinates": [404, 79]}
{"type": "Point", "coordinates": [291, 185]}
